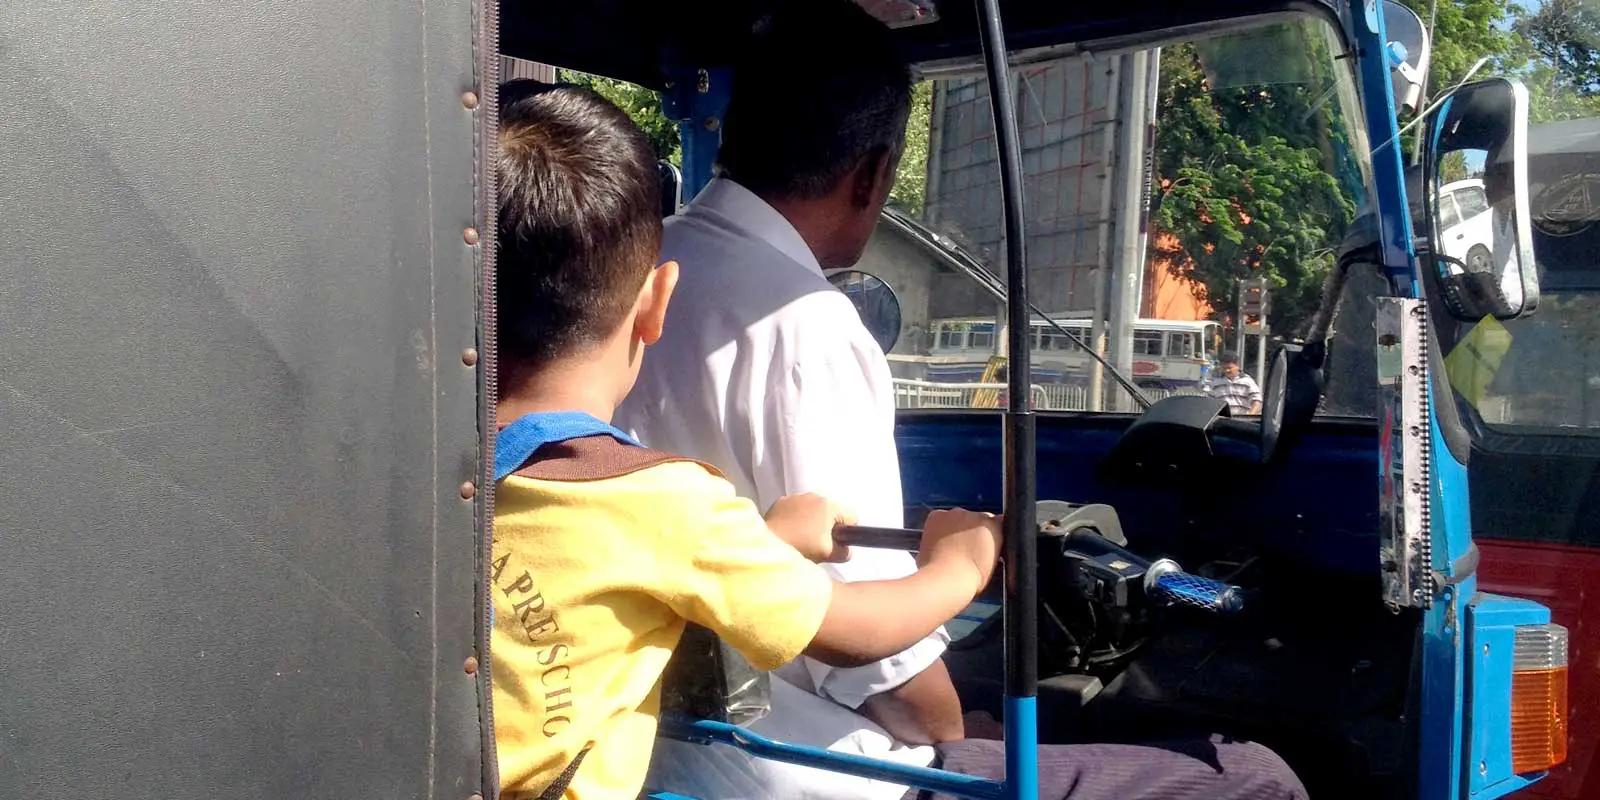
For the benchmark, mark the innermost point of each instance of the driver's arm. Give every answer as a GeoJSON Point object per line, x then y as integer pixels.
{"type": "Point", "coordinates": [829, 429]}
{"type": "Point", "coordinates": [1255, 396]}
{"type": "Point", "coordinates": [923, 710]}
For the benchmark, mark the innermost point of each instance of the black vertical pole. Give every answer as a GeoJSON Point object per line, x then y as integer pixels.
{"type": "Point", "coordinates": [1021, 595]}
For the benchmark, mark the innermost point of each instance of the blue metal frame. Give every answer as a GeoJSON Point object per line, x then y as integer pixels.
{"type": "Point", "coordinates": [1492, 623]}
{"type": "Point", "coordinates": [1440, 765]}
{"type": "Point", "coordinates": [706, 732]}
{"type": "Point", "coordinates": [698, 100]}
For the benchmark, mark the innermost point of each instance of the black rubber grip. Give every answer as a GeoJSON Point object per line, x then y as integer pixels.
{"type": "Point", "coordinates": [885, 538]}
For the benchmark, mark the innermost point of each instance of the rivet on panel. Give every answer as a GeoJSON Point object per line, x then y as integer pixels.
{"type": "Point", "coordinates": [471, 665]}
{"type": "Point", "coordinates": [470, 236]}
{"type": "Point", "coordinates": [469, 99]}
{"type": "Point", "coordinates": [469, 356]}
{"type": "Point", "coordinates": [468, 491]}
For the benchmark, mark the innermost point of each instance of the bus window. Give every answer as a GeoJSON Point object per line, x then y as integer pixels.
{"type": "Point", "coordinates": [1180, 344]}
{"type": "Point", "coordinates": [1147, 343]}
{"type": "Point", "coordinates": [982, 336]}
{"type": "Point", "coordinates": [952, 336]}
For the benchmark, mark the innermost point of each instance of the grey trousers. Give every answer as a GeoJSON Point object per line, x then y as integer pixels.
{"type": "Point", "coordinates": [1190, 769]}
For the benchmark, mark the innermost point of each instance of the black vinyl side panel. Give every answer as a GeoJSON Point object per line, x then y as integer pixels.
{"type": "Point", "coordinates": [234, 413]}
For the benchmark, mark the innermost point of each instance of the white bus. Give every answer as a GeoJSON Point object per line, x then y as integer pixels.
{"type": "Point", "coordinates": [1167, 354]}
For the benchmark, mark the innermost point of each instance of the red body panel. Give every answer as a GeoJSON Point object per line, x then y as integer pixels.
{"type": "Point", "coordinates": [1567, 580]}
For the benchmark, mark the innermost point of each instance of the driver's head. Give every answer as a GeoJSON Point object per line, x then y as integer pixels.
{"type": "Point", "coordinates": [816, 121]}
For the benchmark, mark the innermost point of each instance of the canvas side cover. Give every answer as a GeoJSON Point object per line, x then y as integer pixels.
{"type": "Point", "coordinates": [236, 414]}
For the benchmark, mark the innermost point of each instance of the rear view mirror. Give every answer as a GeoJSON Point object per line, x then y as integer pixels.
{"type": "Point", "coordinates": [874, 301]}
{"type": "Point", "coordinates": [1475, 178]}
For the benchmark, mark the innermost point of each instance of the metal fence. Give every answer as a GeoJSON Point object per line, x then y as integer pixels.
{"type": "Point", "coordinates": [913, 394]}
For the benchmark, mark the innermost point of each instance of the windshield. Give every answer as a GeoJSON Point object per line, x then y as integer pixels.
{"type": "Point", "coordinates": [1155, 182]}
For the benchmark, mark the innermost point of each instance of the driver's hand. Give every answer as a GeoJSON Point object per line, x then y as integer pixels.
{"type": "Point", "coordinates": [966, 541]}
{"type": "Point", "coordinates": [806, 522]}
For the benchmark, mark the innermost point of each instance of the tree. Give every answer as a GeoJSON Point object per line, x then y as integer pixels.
{"type": "Point", "coordinates": [1463, 32]}
{"type": "Point", "coordinates": [1565, 34]}
{"type": "Point", "coordinates": [911, 179]}
{"type": "Point", "coordinates": [1248, 188]}
{"type": "Point", "coordinates": [1561, 45]}
{"type": "Point", "coordinates": [641, 104]}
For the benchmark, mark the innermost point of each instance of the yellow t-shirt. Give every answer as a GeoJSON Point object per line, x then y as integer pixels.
{"type": "Point", "coordinates": [592, 583]}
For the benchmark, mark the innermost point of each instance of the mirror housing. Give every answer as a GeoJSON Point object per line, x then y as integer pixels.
{"type": "Point", "coordinates": [1475, 200]}
{"type": "Point", "coordinates": [671, 188]}
{"type": "Point", "coordinates": [1409, 50]}
{"type": "Point", "coordinates": [875, 301]}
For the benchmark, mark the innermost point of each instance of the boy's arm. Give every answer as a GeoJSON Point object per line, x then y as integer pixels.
{"type": "Point", "coordinates": [718, 565]}
{"type": "Point", "coordinates": [869, 620]}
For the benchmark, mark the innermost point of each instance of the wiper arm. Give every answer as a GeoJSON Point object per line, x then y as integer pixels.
{"type": "Point", "coordinates": [964, 263]}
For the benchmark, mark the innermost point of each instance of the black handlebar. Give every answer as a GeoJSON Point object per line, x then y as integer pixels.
{"type": "Point", "coordinates": [885, 538]}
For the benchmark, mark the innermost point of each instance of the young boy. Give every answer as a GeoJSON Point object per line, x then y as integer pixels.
{"type": "Point", "coordinates": [602, 548]}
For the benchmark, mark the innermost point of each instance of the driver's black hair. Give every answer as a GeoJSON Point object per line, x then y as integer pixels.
{"type": "Point", "coordinates": [580, 222]}
{"type": "Point", "coordinates": [819, 89]}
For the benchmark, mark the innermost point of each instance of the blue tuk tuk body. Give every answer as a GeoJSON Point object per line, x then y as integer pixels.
{"type": "Point", "coordinates": [1321, 502]}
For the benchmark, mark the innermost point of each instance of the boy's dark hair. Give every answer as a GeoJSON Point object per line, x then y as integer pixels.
{"type": "Point", "coordinates": [820, 88]}
{"type": "Point", "coordinates": [580, 220]}
{"type": "Point", "coordinates": [1228, 357]}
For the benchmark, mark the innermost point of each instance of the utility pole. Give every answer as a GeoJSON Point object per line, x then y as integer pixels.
{"type": "Point", "coordinates": [1108, 177]}
{"type": "Point", "coordinates": [1253, 305]}
{"type": "Point", "coordinates": [1137, 74]}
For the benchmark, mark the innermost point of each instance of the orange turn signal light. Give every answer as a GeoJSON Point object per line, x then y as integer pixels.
{"type": "Point", "coordinates": [1539, 698]}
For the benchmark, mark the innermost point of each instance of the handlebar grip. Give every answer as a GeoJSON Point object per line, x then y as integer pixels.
{"type": "Point", "coordinates": [1180, 588]}
{"type": "Point", "coordinates": [885, 538]}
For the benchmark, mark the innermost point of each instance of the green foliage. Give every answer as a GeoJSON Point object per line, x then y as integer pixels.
{"type": "Point", "coordinates": [1560, 42]}
{"type": "Point", "coordinates": [911, 179]}
{"type": "Point", "coordinates": [1249, 188]}
{"type": "Point", "coordinates": [642, 104]}
{"type": "Point", "coordinates": [1465, 31]}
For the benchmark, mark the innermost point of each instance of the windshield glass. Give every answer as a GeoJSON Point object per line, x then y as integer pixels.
{"type": "Point", "coordinates": [1155, 182]}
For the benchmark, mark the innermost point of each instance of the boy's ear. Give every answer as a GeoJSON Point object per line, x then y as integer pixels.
{"type": "Point", "coordinates": [653, 297]}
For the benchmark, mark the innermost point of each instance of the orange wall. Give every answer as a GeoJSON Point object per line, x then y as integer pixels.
{"type": "Point", "coordinates": [1167, 296]}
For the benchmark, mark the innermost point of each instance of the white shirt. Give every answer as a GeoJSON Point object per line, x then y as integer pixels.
{"type": "Point", "coordinates": [766, 372]}
{"type": "Point", "coordinates": [1242, 393]}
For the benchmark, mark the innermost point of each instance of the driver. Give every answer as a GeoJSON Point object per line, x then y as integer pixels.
{"type": "Point", "coordinates": [766, 372]}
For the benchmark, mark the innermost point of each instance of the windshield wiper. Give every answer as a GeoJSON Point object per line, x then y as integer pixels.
{"type": "Point", "coordinates": [966, 264]}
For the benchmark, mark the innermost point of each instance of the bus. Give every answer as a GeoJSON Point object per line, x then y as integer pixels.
{"type": "Point", "coordinates": [1167, 354]}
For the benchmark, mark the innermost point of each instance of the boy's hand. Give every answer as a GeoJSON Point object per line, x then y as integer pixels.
{"type": "Point", "coordinates": [806, 523]}
{"type": "Point", "coordinates": [964, 541]}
